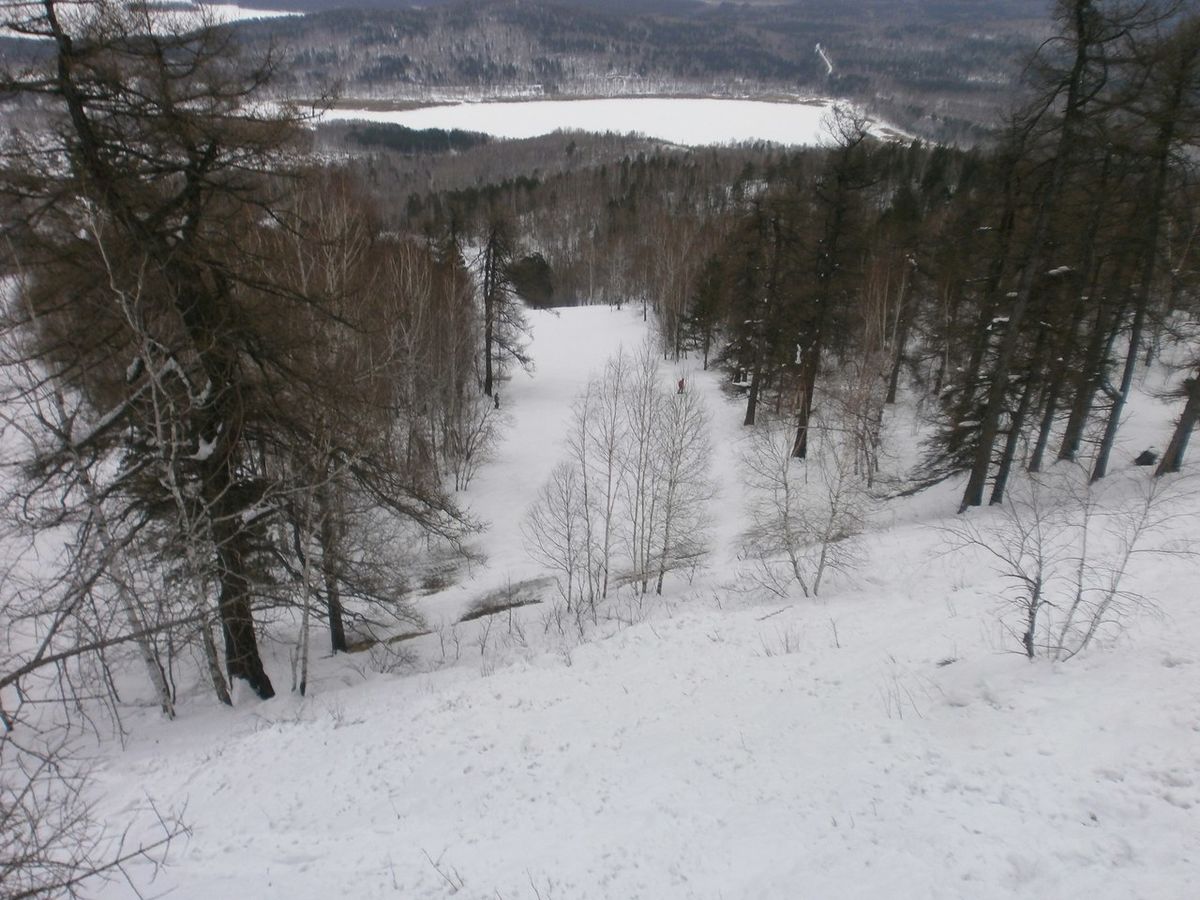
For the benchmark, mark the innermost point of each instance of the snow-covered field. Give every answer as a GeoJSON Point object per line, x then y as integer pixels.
{"type": "Point", "coordinates": [686, 121]}
{"type": "Point", "coordinates": [879, 742]}
{"type": "Point", "coordinates": [189, 14]}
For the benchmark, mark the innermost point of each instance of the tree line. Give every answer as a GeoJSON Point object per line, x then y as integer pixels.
{"type": "Point", "coordinates": [1017, 289]}
{"type": "Point", "coordinates": [230, 397]}
{"type": "Point", "coordinates": [1014, 288]}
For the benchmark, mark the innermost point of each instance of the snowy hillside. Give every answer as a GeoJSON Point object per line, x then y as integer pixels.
{"type": "Point", "coordinates": [884, 740]}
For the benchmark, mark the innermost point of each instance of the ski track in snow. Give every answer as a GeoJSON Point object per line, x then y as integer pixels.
{"type": "Point", "coordinates": [692, 755]}
{"type": "Point", "coordinates": [572, 346]}
{"type": "Point", "coordinates": [825, 59]}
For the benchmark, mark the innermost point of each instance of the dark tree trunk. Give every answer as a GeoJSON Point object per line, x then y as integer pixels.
{"type": "Point", "coordinates": [201, 302]}
{"type": "Point", "coordinates": [1172, 460]}
{"type": "Point", "coordinates": [1090, 376]}
{"type": "Point", "coordinates": [997, 391]}
{"type": "Point", "coordinates": [966, 407]}
{"type": "Point", "coordinates": [1160, 157]}
{"type": "Point", "coordinates": [1121, 395]}
{"type": "Point", "coordinates": [242, 658]}
{"type": "Point", "coordinates": [200, 293]}
{"type": "Point", "coordinates": [939, 378]}
{"type": "Point", "coordinates": [1064, 346]}
{"type": "Point", "coordinates": [752, 395]}
{"type": "Point", "coordinates": [1017, 419]}
{"type": "Point", "coordinates": [765, 322]}
{"type": "Point", "coordinates": [1063, 354]}
{"type": "Point", "coordinates": [804, 416]}
{"type": "Point", "coordinates": [330, 537]}
{"type": "Point", "coordinates": [826, 271]}
{"type": "Point", "coordinates": [1081, 10]}
{"type": "Point", "coordinates": [904, 320]}
{"type": "Point", "coordinates": [489, 313]}
{"type": "Point", "coordinates": [1049, 411]}
{"type": "Point", "coordinates": [1008, 454]}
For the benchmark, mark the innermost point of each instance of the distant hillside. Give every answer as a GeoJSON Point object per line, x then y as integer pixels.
{"type": "Point", "coordinates": [938, 67]}
{"type": "Point", "coordinates": [636, 6]}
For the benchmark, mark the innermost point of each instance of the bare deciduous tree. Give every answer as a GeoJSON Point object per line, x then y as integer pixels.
{"type": "Point", "coordinates": [804, 515]}
{"type": "Point", "coordinates": [556, 534]}
{"type": "Point", "coordinates": [1065, 547]}
{"type": "Point", "coordinates": [629, 503]}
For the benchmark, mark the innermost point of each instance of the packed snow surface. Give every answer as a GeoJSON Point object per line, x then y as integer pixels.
{"type": "Point", "coordinates": [881, 741]}
{"type": "Point", "coordinates": [687, 121]}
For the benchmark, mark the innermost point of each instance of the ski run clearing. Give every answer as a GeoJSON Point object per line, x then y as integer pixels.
{"type": "Point", "coordinates": [881, 741]}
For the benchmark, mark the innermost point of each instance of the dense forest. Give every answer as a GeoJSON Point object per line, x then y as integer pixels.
{"type": "Point", "coordinates": [966, 272]}
{"type": "Point", "coordinates": [249, 364]}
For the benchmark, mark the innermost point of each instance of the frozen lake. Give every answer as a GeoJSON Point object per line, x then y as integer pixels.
{"type": "Point", "coordinates": [693, 122]}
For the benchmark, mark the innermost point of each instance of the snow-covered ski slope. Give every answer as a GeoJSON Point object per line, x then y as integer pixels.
{"type": "Point", "coordinates": [881, 742]}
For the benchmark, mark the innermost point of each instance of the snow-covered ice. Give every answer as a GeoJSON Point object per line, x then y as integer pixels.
{"type": "Point", "coordinates": [679, 120]}
{"type": "Point", "coordinates": [232, 12]}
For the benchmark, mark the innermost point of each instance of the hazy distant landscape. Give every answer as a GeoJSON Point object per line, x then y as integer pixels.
{"type": "Point", "coordinates": [942, 69]}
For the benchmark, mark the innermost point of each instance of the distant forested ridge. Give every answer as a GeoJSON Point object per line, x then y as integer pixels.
{"type": "Point", "coordinates": [412, 140]}
{"type": "Point", "coordinates": [939, 68]}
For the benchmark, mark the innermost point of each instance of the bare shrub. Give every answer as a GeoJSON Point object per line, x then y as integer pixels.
{"type": "Point", "coordinates": [803, 513]}
{"type": "Point", "coordinates": [1064, 547]}
{"type": "Point", "coordinates": [555, 532]}
{"type": "Point", "coordinates": [51, 844]}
